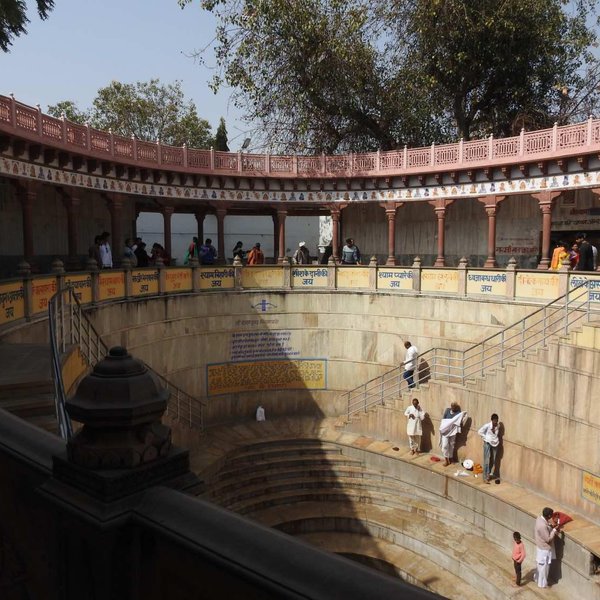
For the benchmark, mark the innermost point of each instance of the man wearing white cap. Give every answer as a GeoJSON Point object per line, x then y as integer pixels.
{"type": "Point", "coordinates": [302, 255]}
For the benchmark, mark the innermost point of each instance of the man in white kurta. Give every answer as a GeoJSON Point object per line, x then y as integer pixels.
{"type": "Point", "coordinates": [414, 429]}
{"type": "Point", "coordinates": [450, 426]}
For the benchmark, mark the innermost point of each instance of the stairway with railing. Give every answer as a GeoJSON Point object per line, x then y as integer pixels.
{"type": "Point", "coordinates": [70, 326]}
{"type": "Point", "coordinates": [558, 317]}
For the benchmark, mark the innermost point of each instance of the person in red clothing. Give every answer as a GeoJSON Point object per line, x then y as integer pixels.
{"type": "Point", "coordinates": [518, 556]}
{"type": "Point", "coordinates": [256, 256]}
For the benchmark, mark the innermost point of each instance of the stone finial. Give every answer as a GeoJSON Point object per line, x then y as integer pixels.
{"type": "Point", "coordinates": [512, 264]}
{"type": "Point", "coordinates": [91, 264]}
{"type": "Point", "coordinates": [373, 261]}
{"type": "Point", "coordinates": [159, 262]}
{"type": "Point", "coordinates": [417, 262]}
{"type": "Point", "coordinates": [57, 266]}
{"type": "Point", "coordinates": [237, 261]}
{"type": "Point", "coordinates": [286, 260]}
{"type": "Point", "coordinates": [331, 262]}
{"type": "Point", "coordinates": [194, 262]}
{"type": "Point", "coordinates": [120, 405]}
{"type": "Point", "coordinates": [126, 263]}
{"type": "Point", "coordinates": [463, 263]}
{"type": "Point", "coordinates": [24, 269]}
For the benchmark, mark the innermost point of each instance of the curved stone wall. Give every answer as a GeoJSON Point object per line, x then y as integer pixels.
{"type": "Point", "coordinates": [358, 335]}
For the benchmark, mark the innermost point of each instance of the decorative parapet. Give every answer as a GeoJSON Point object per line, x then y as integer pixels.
{"type": "Point", "coordinates": [31, 124]}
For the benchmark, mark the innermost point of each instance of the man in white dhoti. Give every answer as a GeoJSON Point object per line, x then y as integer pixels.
{"type": "Point", "coordinates": [544, 534]}
{"type": "Point", "coordinates": [450, 426]}
{"type": "Point", "coordinates": [414, 429]}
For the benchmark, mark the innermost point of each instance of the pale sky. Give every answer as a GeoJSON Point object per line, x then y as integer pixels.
{"type": "Point", "coordinates": [84, 45]}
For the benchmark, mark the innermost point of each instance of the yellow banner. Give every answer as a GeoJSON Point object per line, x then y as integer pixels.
{"type": "Point", "coordinates": [229, 378]}
{"type": "Point", "coordinates": [537, 285]}
{"type": "Point", "coordinates": [12, 302]}
{"type": "Point", "coordinates": [394, 279]}
{"type": "Point", "coordinates": [262, 277]}
{"type": "Point", "coordinates": [590, 487]}
{"type": "Point", "coordinates": [312, 277]}
{"type": "Point", "coordinates": [439, 280]}
{"type": "Point", "coordinates": [223, 278]}
{"type": "Point", "coordinates": [82, 287]}
{"type": "Point", "coordinates": [111, 285]}
{"type": "Point", "coordinates": [353, 277]}
{"type": "Point", "coordinates": [43, 288]}
{"type": "Point", "coordinates": [488, 283]}
{"type": "Point", "coordinates": [144, 282]}
{"type": "Point", "coordinates": [178, 280]}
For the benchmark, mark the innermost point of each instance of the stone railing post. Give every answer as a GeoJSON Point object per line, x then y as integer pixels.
{"type": "Point", "coordinates": [162, 276]}
{"type": "Point", "coordinates": [196, 273]}
{"type": "Point", "coordinates": [237, 272]}
{"type": "Point", "coordinates": [463, 264]}
{"type": "Point", "coordinates": [24, 271]}
{"type": "Point", "coordinates": [511, 278]}
{"type": "Point", "coordinates": [331, 273]}
{"type": "Point", "coordinates": [287, 272]}
{"type": "Point", "coordinates": [58, 268]}
{"type": "Point", "coordinates": [373, 273]}
{"type": "Point", "coordinates": [127, 267]}
{"type": "Point", "coordinates": [416, 271]}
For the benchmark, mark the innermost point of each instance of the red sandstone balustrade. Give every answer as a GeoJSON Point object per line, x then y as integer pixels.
{"type": "Point", "coordinates": [29, 123]}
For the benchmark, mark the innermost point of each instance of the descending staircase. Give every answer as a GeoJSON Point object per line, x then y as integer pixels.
{"type": "Point", "coordinates": [284, 476]}
{"type": "Point", "coordinates": [563, 316]}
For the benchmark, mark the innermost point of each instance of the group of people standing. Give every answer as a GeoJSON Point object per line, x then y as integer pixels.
{"type": "Point", "coordinates": [546, 526]}
{"type": "Point", "coordinates": [134, 251]}
{"type": "Point", "coordinates": [582, 255]}
{"type": "Point", "coordinates": [205, 254]}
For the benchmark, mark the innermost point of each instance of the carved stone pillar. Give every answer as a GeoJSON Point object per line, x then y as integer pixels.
{"type": "Point", "coordinates": [439, 206]}
{"type": "Point", "coordinates": [390, 214]}
{"type": "Point", "coordinates": [275, 238]}
{"type": "Point", "coordinates": [27, 197]}
{"type": "Point", "coordinates": [491, 204]}
{"type": "Point", "coordinates": [221, 214]}
{"type": "Point", "coordinates": [200, 216]}
{"type": "Point", "coordinates": [546, 200]}
{"type": "Point", "coordinates": [281, 215]}
{"type": "Point", "coordinates": [115, 207]}
{"type": "Point", "coordinates": [335, 225]}
{"type": "Point", "coordinates": [167, 212]}
{"type": "Point", "coordinates": [72, 204]}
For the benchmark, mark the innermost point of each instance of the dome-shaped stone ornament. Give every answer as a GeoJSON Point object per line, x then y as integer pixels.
{"type": "Point", "coordinates": [120, 405]}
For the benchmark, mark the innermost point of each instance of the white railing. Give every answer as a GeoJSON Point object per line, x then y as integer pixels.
{"type": "Point", "coordinates": [558, 317]}
{"type": "Point", "coordinates": [69, 325]}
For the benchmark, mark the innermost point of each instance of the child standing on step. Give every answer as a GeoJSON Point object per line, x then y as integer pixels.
{"type": "Point", "coordinates": [518, 556]}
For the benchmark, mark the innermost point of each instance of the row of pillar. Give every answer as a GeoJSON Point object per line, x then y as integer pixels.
{"type": "Point", "coordinates": [115, 203]}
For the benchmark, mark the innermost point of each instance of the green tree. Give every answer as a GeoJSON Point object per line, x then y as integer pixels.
{"type": "Point", "coordinates": [70, 110]}
{"type": "Point", "coordinates": [148, 110]}
{"type": "Point", "coordinates": [490, 62]}
{"type": "Point", "coordinates": [355, 74]}
{"type": "Point", "coordinates": [13, 19]}
{"type": "Point", "coordinates": [221, 137]}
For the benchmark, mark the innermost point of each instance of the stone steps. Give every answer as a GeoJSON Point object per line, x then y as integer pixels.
{"type": "Point", "coordinates": [478, 563]}
{"type": "Point", "coordinates": [350, 474]}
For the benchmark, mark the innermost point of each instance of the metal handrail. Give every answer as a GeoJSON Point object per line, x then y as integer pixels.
{"type": "Point", "coordinates": [69, 325]}
{"type": "Point", "coordinates": [457, 366]}
{"type": "Point", "coordinates": [65, 428]}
